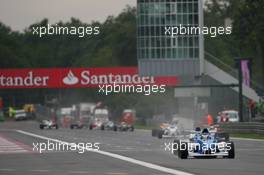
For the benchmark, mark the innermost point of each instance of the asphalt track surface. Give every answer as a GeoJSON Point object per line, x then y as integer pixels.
{"type": "Point", "coordinates": [121, 153]}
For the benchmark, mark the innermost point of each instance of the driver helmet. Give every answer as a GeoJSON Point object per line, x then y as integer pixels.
{"type": "Point", "coordinates": [175, 121]}
{"type": "Point", "coordinates": [198, 129]}
{"type": "Point", "coordinates": [205, 133]}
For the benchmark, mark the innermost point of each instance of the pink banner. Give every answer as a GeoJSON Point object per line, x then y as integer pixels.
{"type": "Point", "coordinates": [245, 72]}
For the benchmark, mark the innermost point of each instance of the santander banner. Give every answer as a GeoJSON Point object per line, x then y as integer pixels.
{"type": "Point", "coordinates": [77, 77]}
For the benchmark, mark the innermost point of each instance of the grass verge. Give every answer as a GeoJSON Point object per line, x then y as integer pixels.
{"type": "Point", "coordinates": [248, 135]}
{"type": "Point", "coordinates": [138, 126]}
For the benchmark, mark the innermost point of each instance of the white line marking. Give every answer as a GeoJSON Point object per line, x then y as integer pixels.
{"type": "Point", "coordinates": [120, 157]}
{"type": "Point", "coordinates": [13, 151]}
{"type": "Point", "coordinates": [116, 173]}
{"type": "Point", "coordinates": [40, 171]}
{"type": "Point", "coordinates": [133, 150]}
{"type": "Point", "coordinates": [6, 169]}
{"type": "Point", "coordinates": [78, 172]}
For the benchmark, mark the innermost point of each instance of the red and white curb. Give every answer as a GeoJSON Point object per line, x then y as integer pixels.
{"type": "Point", "coordinates": [9, 146]}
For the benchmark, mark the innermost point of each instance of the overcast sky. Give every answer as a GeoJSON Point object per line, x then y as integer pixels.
{"type": "Point", "coordinates": [19, 14]}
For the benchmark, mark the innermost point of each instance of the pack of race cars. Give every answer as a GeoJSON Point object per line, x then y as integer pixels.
{"type": "Point", "coordinates": [94, 116]}
{"type": "Point", "coordinates": [210, 141]}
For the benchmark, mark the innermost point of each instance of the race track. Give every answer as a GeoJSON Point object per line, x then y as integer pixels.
{"type": "Point", "coordinates": [121, 153]}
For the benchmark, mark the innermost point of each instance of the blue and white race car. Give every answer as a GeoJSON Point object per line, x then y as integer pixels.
{"type": "Point", "coordinates": [204, 144]}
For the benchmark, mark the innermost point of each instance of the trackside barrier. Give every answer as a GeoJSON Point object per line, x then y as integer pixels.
{"type": "Point", "coordinates": [245, 127]}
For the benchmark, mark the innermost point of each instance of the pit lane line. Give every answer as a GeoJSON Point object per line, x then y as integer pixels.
{"type": "Point", "coordinates": [116, 156]}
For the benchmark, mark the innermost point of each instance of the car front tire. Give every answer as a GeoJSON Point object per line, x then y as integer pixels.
{"type": "Point", "coordinates": [183, 150]}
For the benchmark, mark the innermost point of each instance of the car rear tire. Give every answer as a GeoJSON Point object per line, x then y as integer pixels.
{"type": "Point", "coordinates": [160, 134]}
{"type": "Point", "coordinates": [154, 132]}
{"type": "Point", "coordinates": [115, 128]}
{"type": "Point", "coordinates": [41, 127]}
{"type": "Point", "coordinates": [231, 152]}
{"type": "Point", "coordinates": [91, 127]}
{"type": "Point", "coordinates": [226, 136]}
{"type": "Point", "coordinates": [102, 127]}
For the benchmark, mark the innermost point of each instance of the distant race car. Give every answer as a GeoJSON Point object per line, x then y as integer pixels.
{"type": "Point", "coordinates": [229, 116]}
{"type": "Point", "coordinates": [219, 133]}
{"type": "Point", "coordinates": [20, 115]}
{"type": "Point", "coordinates": [127, 121]}
{"type": "Point", "coordinates": [109, 126]}
{"type": "Point", "coordinates": [48, 124]}
{"type": "Point", "coordinates": [98, 124]}
{"type": "Point", "coordinates": [156, 132]}
{"type": "Point", "coordinates": [100, 119]}
{"type": "Point", "coordinates": [77, 125]}
{"type": "Point", "coordinates": [123, 126]}
{"type": "Point", "coordinates": [167, 130]}
{"type": "Point", "coordinates": [204, 144]}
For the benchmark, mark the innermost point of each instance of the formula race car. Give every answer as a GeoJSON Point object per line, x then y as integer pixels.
{"type": "Point", "coordinates": [127, 121]}
{"type": "Point", "coordinates": [48, 124]}
{"type": "Point", "coordinates": [109, 126]}
{"type": "Point", "coordinates": [98, 124]}
{"type": "Point", "coordinates": [100, 119]}
{"type": "Point", "coordinates": [204, 144]}
{"type": "Point", "coordinates": [156, 132]}
{"type": "Point", "coordinates": [167, 130]}
{"type": "Point", "coordinates": [123, 126]}
{"type": "Point", "coordinates": [77, 125]}
{"type": "Point", "coordinates": [219, 133]}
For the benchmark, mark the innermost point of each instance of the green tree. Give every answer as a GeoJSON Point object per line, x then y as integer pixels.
{"type": "Point", "coordinates": [248, 30]}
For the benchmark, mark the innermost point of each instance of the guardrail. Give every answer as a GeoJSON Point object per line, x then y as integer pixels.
{"type": "Point", "coordinates": [247, 127]}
